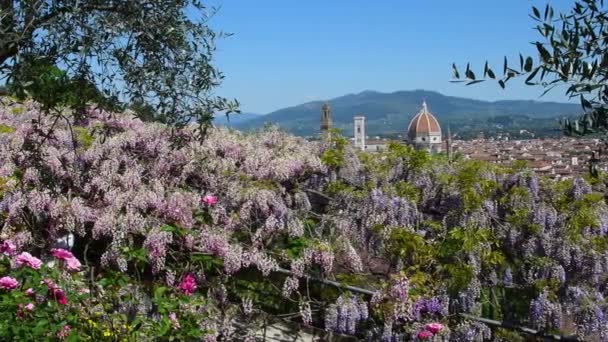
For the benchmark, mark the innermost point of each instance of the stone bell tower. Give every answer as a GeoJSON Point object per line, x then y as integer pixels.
{"type": "Point", "coordinates": [359, 133]}
{"type": "Point", "coordinates": [326, 122]}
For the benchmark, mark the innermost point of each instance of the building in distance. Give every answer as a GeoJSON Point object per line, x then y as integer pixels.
{"type": "Point", "coordinates": [424, 131]}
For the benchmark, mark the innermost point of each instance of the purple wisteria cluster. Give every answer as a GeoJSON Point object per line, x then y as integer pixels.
{"type": "Point", "coordinates": [132, 183]}
{"type": "Point", "coordinates": [344, 315]}
{"type": "Point", "coordinates": [433, 239]}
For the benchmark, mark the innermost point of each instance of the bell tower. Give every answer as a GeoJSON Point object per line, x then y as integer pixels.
{"type": "Point", "coordinates": [359, 132]}
{"type": "Point", "coordinates": [326, 122]}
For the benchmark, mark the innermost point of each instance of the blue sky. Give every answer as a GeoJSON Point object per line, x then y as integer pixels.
{"type": "Point", "coordinates": [287, 52]}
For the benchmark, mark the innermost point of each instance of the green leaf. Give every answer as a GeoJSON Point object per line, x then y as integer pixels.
{"type": "Point", "coordinates": [159, 292]}
{"type": "Point", "coordinates": [491, 74]}
{"type": "Point", "coordinates": [531, 76]}
{"type": "Point", "coordinates": [6, 129]}
{"type": "Point", "coordinates": [168, 228]}
{"type": "Point", "coordinates": [585, 103]}
{"type": "Point", "coordinates": [165, 325]}
{"type": "Point", "coordinates": [536, 12]}
{"type": "Point", "coordinates": [73, 338]}
{"type": "Point", "coordinates": [544, 53]}
{"type": "Point", "coordinates": [470, 74]}
{"type": "Point", "coordinates": [455, 71]}
{"type": "Point", "coordinates": [474, 82]}
{"type": "Point", "coordinates": [528, 65]}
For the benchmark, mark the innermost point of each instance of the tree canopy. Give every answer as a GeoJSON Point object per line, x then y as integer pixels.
{"type": "Point", "coordinates": [572, 51]}
{"type": "Point", "coordinates": [154, 53]}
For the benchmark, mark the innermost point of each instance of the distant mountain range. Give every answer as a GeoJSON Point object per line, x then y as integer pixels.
{"type": "Point", "coordinates": [388, 114]}
{"type": "Point", "coordinates": [234, 119]}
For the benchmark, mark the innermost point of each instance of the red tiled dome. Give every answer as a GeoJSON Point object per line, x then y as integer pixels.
{"type": "Point", "coordinates": [424, 123]}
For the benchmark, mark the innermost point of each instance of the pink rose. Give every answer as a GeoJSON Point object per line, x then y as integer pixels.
{"type": "Point", "coordinates": [27, 259]}
{"type": "Point", "coordinates": [62, 254]}
{"type": "Point", "coordinates": [8, 283]}
{"type": "Point", "coordinates": [425, 335]}
{"type": "Point", "coordinates": [434, 327]}
{"type": "Point", "coordinates": [51, 284]}
{"type": "Point", "coordinates": [58, 295]}
{"type": "Point", "coordinates": [73, 264]}
{"type": "Point", "coordinates": [188, 285]}
{"type": "Point", "coordinates": [209, 200]}
{"type": "Point", "coordinates": [8, 247]}
{"type": "Point", "coordinates": [29, 292]}
{"type": "Point", "coordinates": [30, 307]}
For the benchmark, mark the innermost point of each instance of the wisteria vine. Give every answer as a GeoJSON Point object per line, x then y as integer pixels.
{"type": "Point", "coordinates": [218, 217]}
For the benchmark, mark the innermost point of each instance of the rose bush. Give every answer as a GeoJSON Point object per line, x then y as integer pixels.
{"type": "Point", "coordinates": [54, 301]}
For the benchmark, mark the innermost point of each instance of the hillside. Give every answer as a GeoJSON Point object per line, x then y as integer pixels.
{"type": "Point", "coordinates": [389, 113]}
{"type": "Point", "coordinates": [233, 119]}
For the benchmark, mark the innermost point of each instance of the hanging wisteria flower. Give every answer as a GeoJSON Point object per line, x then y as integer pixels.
{"type": "Point", "coordinates": [331, 318]}
{"type": "Point", "coordinates": [247, 306]}
{"type": "Point", "coordinates": [433, 306]}
{"type": "Point", "coordinates": [344, 315]}
{"type": "Point", "coordinates": [291, 284]}
{"type": "Point", "coordinates": [26, 259]}
{"type": "Point", "coordinates": [209, 200]}
{"type": "Point", "coordinates": [174, 321]}
{"type": "Point", "coordinates": [400, 288]}
{"type": "Point", "coordinates": [8, 283]}
{"type": "Point", "coordinates": [8, 248]}
{"type": "Point", "coordinates": [305, 313]}
{"type": "Point", "coordinates": [188, 285]}
{"type": "Point", "coordinates": [544, 313]}
{"type": "Point", "coordinates": [170, 278]}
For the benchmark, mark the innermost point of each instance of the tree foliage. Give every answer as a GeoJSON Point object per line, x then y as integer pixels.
{"type": "Point", "coordinates": [573, 51]}
{"type": "Point", "coordinates": [156, 54]}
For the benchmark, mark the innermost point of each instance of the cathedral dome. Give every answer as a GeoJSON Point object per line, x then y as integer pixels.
{"type": "Point", "coordinates": [423, 124]}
